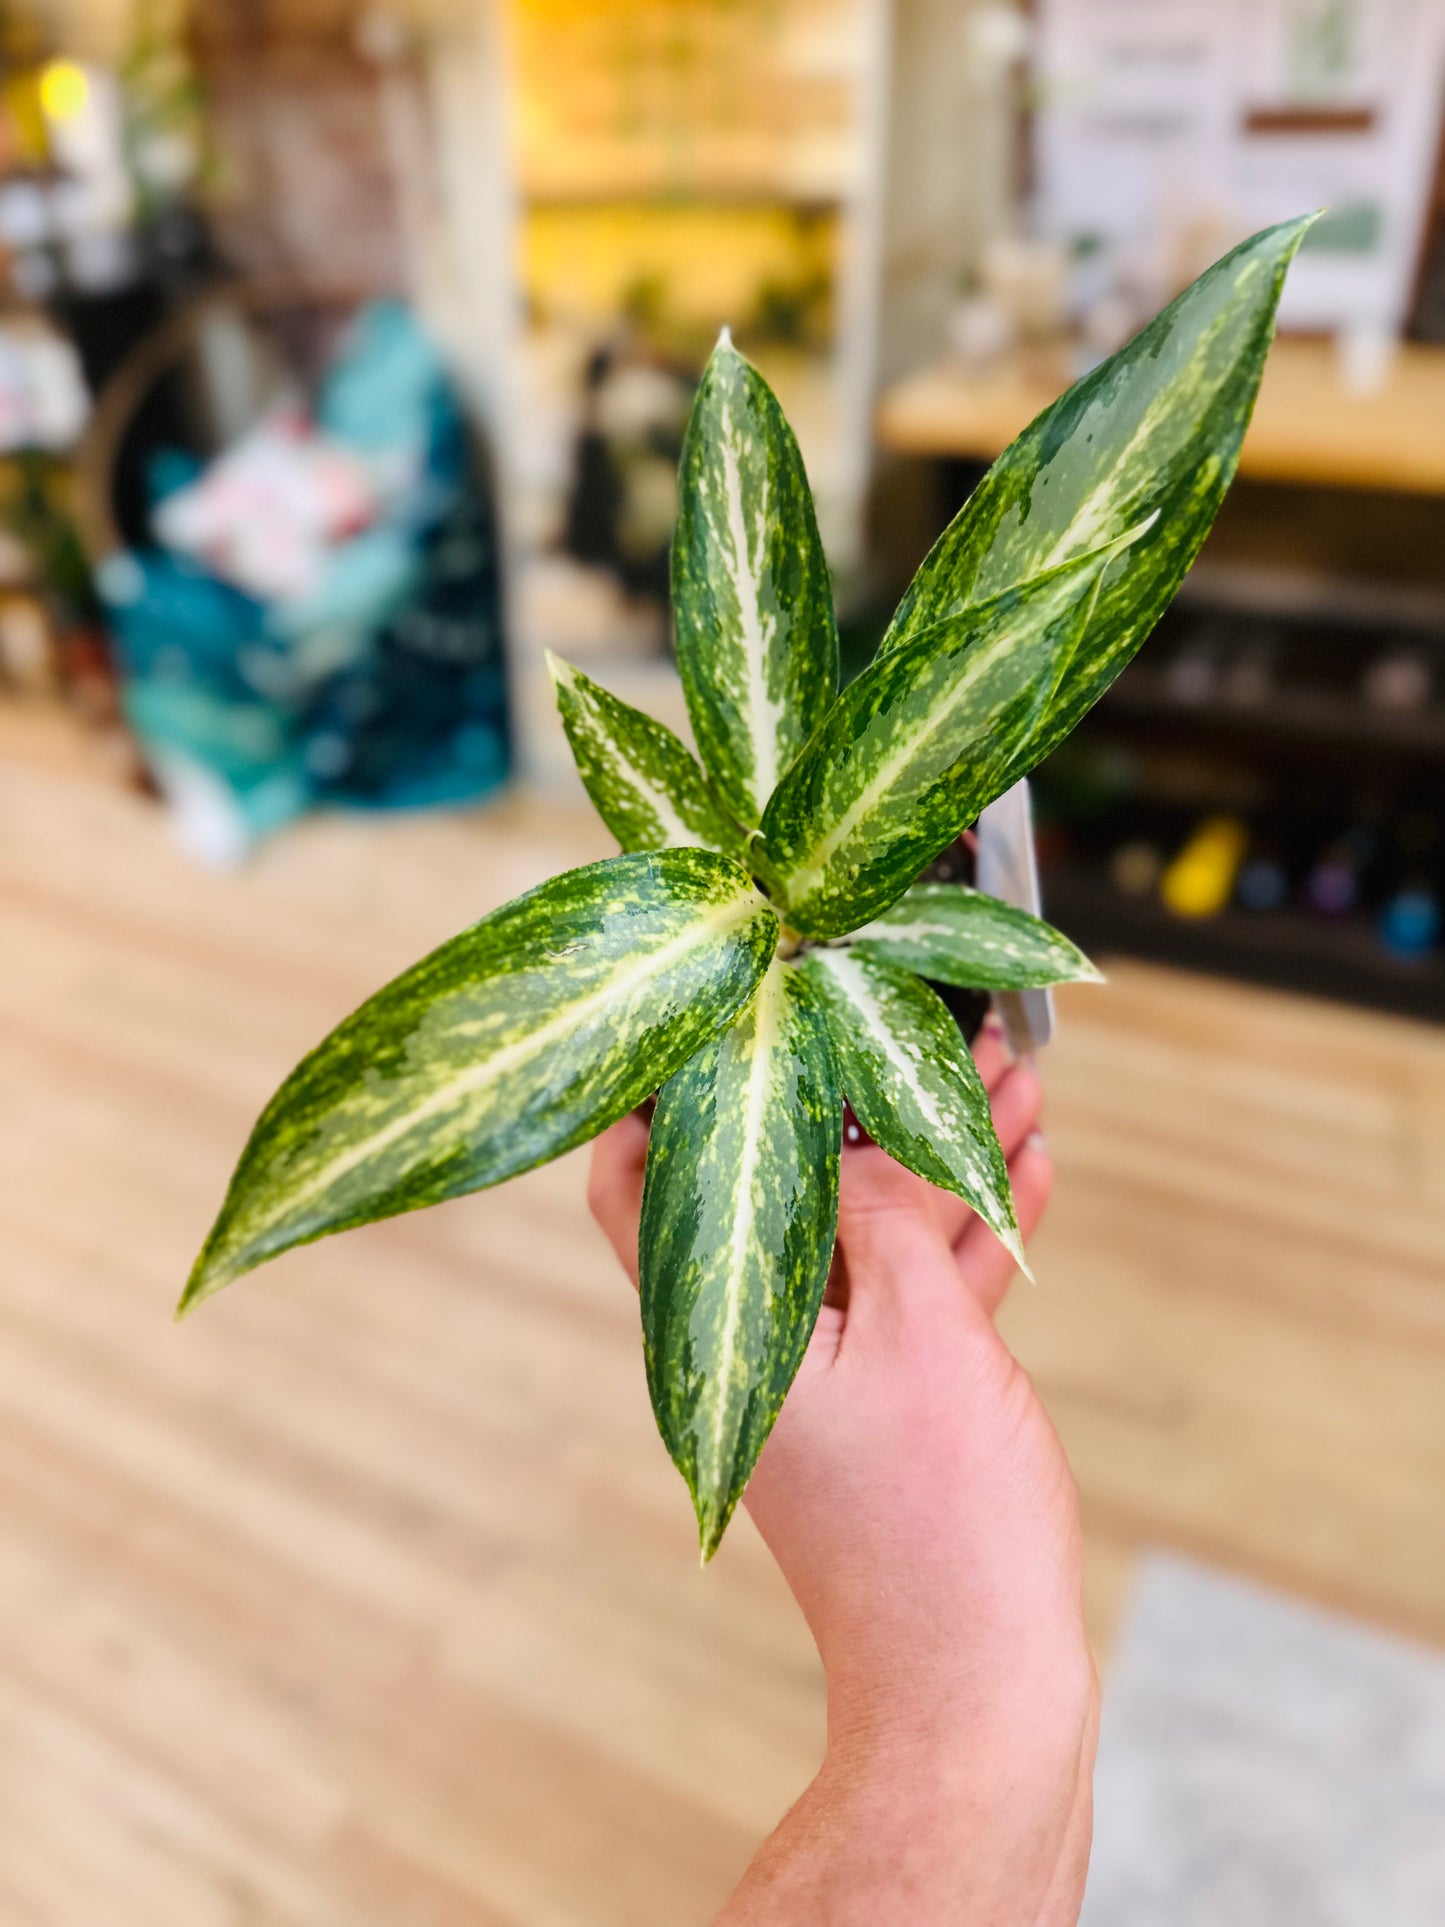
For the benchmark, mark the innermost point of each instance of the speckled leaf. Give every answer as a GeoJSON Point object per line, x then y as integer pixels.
{"type": "Point", "coordinates": [911, 1082]}
{"type": "Point", "coordinates": [515, 1041]}
{"type": "Point", "coordinates": [646, 787]}
{"type": "Point", "coordinates": [751, 596]}
{"type": "Point", "coordinates": [919, 744]}
{"type": "Point", "coordinates": [1156, 427]}
{"type": "Point", "coordinates": [955, 935]}
{"type": "Point", "coordinates": [738, 1218]}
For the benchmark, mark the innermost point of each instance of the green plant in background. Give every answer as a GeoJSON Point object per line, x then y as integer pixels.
{"type": "Point", "coordinates": [756, 953]}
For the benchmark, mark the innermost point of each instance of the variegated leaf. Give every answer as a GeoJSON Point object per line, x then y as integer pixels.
{"type": "Point", "coordinates": [911, 1082]}
{"type": "Point", "coordinates": [1156, 427]}
{"type": "Point", "coordinates": [515, 1041]}
{"type": "Point", "coordinates": [738, 1218]}
{"type": "Point", "coordinates": [752, 600]}
{"type": "Point", "coordinates": [955, 935]}
{"type": "Point", "coordinates": [646, 787]}
{"type": "Point", "coordinates": [919, 744]}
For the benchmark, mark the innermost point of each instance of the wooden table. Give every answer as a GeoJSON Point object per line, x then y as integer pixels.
{"type": "Point", "coordinates": [1306, 428]}
{"type": "Point", "coordinates": [368, 1595]}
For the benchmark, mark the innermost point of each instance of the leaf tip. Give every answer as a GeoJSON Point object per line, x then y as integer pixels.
{"type": "Point", "coordinates": [1012, 1240]}
{"type": "Point", "coordinates": [710, 1537]}
{"type": "Point", "coordinates": [724, 340]}
{"type": "Point", "coordinates": [713, 1517]}
{"type": "Point", "coordinates": [204, 1282]}
{"type": "Point", "coordinates": [562, 673]}
{"type": "Point", "coordinates": [1287, 237]}
{"type": "Point", "coordinates": [219, 1263]}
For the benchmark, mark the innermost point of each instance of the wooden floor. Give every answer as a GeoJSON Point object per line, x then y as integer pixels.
{"type": "Point", "coordinates": [368, 1595]}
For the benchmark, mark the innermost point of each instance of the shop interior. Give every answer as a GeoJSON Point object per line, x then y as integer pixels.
{"type": "Point", "coordinates": [346, 354]}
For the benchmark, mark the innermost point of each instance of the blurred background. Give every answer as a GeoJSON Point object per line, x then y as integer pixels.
{"type": "Point", "coordinates": [345, 355]}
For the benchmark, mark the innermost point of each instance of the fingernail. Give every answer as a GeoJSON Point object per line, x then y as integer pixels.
{"type": "Point", "coordinates": [1037, 1141]}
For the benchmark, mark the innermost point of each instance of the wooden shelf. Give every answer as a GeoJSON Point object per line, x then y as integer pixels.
{"type": "Point", "coordinates": [1286, 949]}
{"type": "Point", "coordinates": [664, 193]}
{"type": "Point", "coordinates": [1314, 718]}
{"type": "Point", "coordinates": [1306, 429]}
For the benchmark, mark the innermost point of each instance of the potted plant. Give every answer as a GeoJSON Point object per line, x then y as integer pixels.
{"type": "Point", "coordinates": [750, 956]}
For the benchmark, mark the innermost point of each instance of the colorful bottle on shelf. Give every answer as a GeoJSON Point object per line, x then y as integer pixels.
{"type": "Point", "coordinates": [1200, 880]}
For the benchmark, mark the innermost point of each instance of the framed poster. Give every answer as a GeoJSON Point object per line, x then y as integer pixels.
{"type": "Point", "coordinates": [1165, 118]}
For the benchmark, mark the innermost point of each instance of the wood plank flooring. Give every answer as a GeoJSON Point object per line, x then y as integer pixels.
{"type": "Point", "coordinates": [367, 1597]}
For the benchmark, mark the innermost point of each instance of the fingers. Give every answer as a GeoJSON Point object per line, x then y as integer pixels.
{"type": "Point", "coordinates": [614, 1186]}
{"type": "Point", "coordinates": [987, 1268]}
{"type": "Point", "coordinates": [891, 1224]}
{"type": "Point", "coordinates": [1032, 1172]}
{"type": "Point", "coordinates": [897, 1261]}
{"type": "Point", "coordinates": [1017, 1100]}
{"type": "Point", "coordinates": [952, 1215]}
{"type": "Point", "coordinates": [990, 1051]}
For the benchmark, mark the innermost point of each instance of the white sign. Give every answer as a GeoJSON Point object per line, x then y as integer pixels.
{"type": "Point", "coordinates": [1165, 118]}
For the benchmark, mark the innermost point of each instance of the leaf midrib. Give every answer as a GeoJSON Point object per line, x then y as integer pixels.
{"type": "Point", "coordinates": [764, 1041]}
{"type": "Point", "coordinates": [722, 917]}
{"type": "Point", "coordinates": [675, 832]}
{"type": "Point", "coordinates": [805, 876]}
{"type": "Point", "coordinates": [853, 981]}
{"type": "Point", "coordinates": [765, 716]}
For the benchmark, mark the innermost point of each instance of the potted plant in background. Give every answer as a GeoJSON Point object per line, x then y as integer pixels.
{"type": "Point", "coordinates": [750, 957]}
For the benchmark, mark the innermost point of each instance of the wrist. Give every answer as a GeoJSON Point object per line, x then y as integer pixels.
{"type": "Point", "coordinates": [974, 1774]}
{"type": "Point", "coordinates": [1018, 1694]}
{"type": "Point", "coordinates": [931, 1825]}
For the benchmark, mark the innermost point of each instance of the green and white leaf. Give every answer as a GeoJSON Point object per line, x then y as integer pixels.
{"type": "Point", "coordinates": [1155, 428]}
{"type": "Point", "coordinates": [912, 1084]}
{"type": "Point", "coordinates": [752, 600]}
{"type": "Point", "coordinates": [515, 1041]}
{"type": "Point", "coordinates": [920, 743]}
{"type": "Point", "coordinates": [646, 787]}
{"type": "Point", "coordinates": [739, 1213]}
{"type": "Point", "coordinates": [955, 935]}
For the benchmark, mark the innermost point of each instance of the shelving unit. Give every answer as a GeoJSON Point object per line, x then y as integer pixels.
{"type": "Point", "coordinates": [1291, 722]}
{"type": "Point", "coordinates": [689, 156]}
{"type": "Point", "coordinates": [1252, 700]}
{"type": "Point", "coordinates": [1280, 949]}
{"type": "Point", "coordinates": [748, 100]}
{"type": "Point", "coordinates": [1307, 428]}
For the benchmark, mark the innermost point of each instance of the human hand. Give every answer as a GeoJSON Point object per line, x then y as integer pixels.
{"type": "Point", "coordinates": [918, 1502]}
